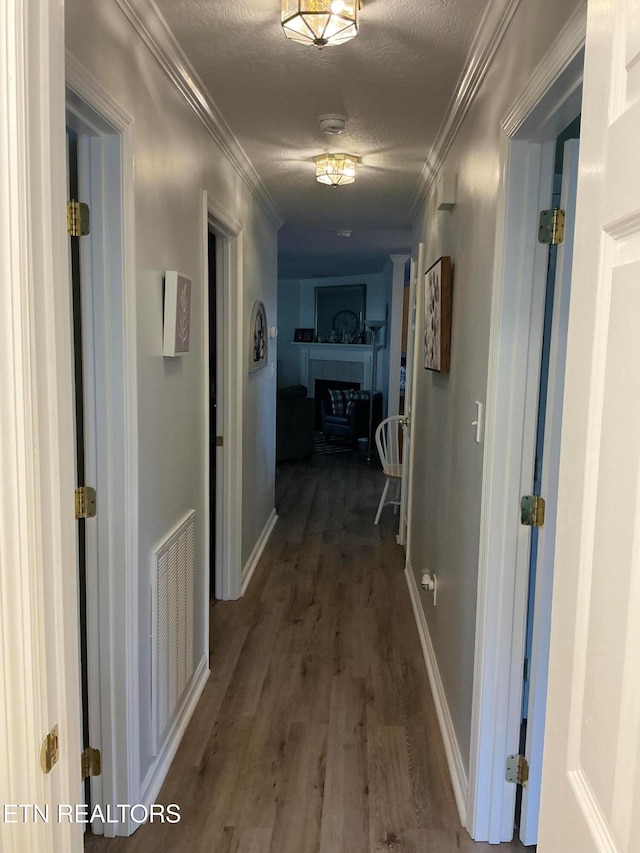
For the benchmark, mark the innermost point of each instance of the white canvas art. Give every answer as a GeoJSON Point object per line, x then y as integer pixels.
{"type": "Point", "coordinates": [437, 316]}
{"type": "Point", "coordinates": [432, 321]}
{"type": "Point", "coordinates": [177, 313]}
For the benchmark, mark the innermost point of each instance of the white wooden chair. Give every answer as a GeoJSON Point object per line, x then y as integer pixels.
{"type": "Point", "coordinates": [388, 442]}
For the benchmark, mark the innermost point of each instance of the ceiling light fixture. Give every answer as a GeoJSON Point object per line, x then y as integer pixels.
{"type": "Point", "coordinates": [335, 170]}
{"type": "Point", "coordinates": [320, 22]}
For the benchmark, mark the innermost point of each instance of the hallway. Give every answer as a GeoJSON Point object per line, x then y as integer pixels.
{"type": "Point", "coordinates": [316, 731]}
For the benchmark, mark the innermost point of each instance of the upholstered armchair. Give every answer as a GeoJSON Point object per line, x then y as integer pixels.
{"type": "Point", "coordinates": [349, 418]}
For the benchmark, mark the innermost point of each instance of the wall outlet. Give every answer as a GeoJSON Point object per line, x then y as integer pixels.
{"type": "Point", "coordinates": [429, 583]}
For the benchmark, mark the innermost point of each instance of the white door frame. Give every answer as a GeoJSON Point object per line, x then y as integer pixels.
{"type": "Point", "coordinates": [105, 164]}
{"type": "Point", "coordinates": [544, 571]}
{"type": "Point", "coordinates": [229, 385]}
{"type": "Point", "coordinates": [39, 684]}
{"type": "Point", "coordinates": [395, 333]}
{"type": "Point", "coordinates": [413, 352]}
{"type": "Point", "coordinates": [550, 100]}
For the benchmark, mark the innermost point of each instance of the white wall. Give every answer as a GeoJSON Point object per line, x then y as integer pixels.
{"type": "Point", "coordinates": [296, 309]}
{"type": "Point", "coordinates": [448, 462]}
{"type": "Point", "coordinates": [175, 159]}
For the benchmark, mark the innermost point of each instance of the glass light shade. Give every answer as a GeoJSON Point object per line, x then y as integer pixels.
{"type": "Point", "coordinates": [320, 22]}
{"type": "Point", "coordinates": [336, 169]}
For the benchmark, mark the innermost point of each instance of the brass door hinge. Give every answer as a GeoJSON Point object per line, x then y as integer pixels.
{"type": "Point", "coordinates": [77, 219]}
{"type": "Point", "coordinates": [219, 441]}
{"type": "Point", "coordinates": [551, 228]}
{"type": "Point", "coordinates": [85, 498]}
{"type": "Point", "coordinates": [50, 751]}
{"type": "Point", "coordinates": [517, 769]}
{"type": "Point", "coordinates": [91, 762]}
{"type": "Point", "coordinates": [532, 509]}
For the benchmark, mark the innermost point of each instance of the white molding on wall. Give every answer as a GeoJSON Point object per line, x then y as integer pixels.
{"type": "Point", "coordinates": [148, 22]}
{"type": "Point", "coordinates": [229, 381]}
{"type": "Point", "coordinates": [38, 563]}
{"type": "Point", "coordinates": [493, 26]}
{"type": "Point", "coordinates": [254, 559]}
{"type": "Point", "coordinates": [81, 80]}
{"type": "Point", "coordinates": [157, 773]}
{"type": "Point", "coordinates": [223, 219]}
{"type": "Point", "coordinates": [395, 336]}
{"type": "Point", "coordinates": [118, 648]}
{"type": "Point", "coordinates": [447, 730]}
{"type": "Point", "coordinates": [566, 46]}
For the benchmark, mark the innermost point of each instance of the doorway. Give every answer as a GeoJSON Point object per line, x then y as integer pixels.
{"type": "Point", "coordinates": [213, 422]}
{"type": "Point", "coordinates": [544, 483]}
{"type": "Point", "coordinates": [82, 423]}
{"type": "Point", "coordinates": [105, 314]}
{"type": "Point", "coordinates": [548, 104]}
{"type": "Point", "coordinates": [223, 390]}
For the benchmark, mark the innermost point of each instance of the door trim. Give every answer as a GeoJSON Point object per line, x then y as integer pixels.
{"type": "Point", "coordinates": [413, 352]}
{"type": "Point", "coordinates": [38, 611]}
{"type": "Point", "coordinates": [106, 164]}
{"type": "Point", "coordinates": [549, 101]}
{"type": "Point", "coordinates": [229, 384]}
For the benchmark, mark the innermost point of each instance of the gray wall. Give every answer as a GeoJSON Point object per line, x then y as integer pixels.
{"type": "Point", "coordinates": [175, 159]}
{"type": "Point", "coordinates": [448, 463]}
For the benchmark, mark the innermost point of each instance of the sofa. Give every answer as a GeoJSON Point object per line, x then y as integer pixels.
{"type": "Point", "coordinates": [353, 422]}
{"type": "Point", "coordinates": [295, 416]}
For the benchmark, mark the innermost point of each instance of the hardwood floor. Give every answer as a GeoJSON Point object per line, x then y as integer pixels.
{"type": "Point", "coordinates": [316, 732]}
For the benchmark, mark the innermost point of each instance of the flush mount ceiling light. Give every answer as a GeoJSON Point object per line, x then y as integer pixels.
{"type": "Point", "coordinates": [320, 22]}
{"type": "Point", "coordinates": [335, 170]}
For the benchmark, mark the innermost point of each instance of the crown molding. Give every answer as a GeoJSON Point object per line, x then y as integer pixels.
{"type": "Point", "coordinates": [493, 26]}
{"type": "Point", "coordinates": [146, 19]}
{"type": "Point", "coordinates": [568, 44]}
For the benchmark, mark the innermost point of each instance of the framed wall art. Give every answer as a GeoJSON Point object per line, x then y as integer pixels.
{"type": "Point", "coordinates": [258, 337]}
{"type": "Point", "coordinates": [177, 313]}
{"type": "Point", "coordinates": [437, 319]}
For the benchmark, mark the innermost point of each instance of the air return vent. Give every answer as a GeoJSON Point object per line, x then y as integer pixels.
{"type": "Point", "coordinates": [172, 625]}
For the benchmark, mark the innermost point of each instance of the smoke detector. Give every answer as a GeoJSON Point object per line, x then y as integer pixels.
{"type": "Point", "coordinates": [344, 232]}
{"type": "Point", "coordinates": [332, 124]}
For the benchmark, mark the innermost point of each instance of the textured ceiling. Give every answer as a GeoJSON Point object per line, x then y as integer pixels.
{"type": "Point", "coordinates": [394, 82]}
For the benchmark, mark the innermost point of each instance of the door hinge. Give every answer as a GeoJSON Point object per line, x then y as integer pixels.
{"type": "Point", "coordinates": [85, 502]}
{"type": "Point", "coordinates": [532, 509]}
{"type": "Point", "coordinates": [50, 750]}
{"type": "Point", "coordinates": [517, 769]}
{"type": "Point", "coordinates": [551, 228]}
{"type": "Point", "coordinates": [77, 218]}
{"type": "Point", "coordinates": [219, 441]}
{"type": "Point", "coordinates": [91, 762]}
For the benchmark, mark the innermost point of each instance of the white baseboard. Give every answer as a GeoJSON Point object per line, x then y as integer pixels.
{"type": "Point", "coordinates": [254, 559]}
{"type": "Point", "coordinates": [158, 771]}
{"type": "Point", "coordinates": [454, 758]}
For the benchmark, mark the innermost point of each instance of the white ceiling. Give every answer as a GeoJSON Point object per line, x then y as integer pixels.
{"type": "Point", "coordinates": [394, 82]}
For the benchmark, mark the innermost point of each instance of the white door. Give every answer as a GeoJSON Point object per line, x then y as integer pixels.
{"type": "Point", "coordinates": [544, 569]}
{"type": "Point", "coordinates": [590, 783]}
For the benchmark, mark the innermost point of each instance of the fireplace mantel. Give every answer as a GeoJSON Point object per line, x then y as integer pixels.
{"type": "Point", "coordinates": [346, 358]}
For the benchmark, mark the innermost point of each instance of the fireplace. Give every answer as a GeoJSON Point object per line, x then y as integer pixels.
{"type": "Point", "coordinates": [321, 392]}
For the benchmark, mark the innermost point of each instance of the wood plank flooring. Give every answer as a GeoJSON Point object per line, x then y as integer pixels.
{"type": "Point", "coordinates": [316, 732]}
